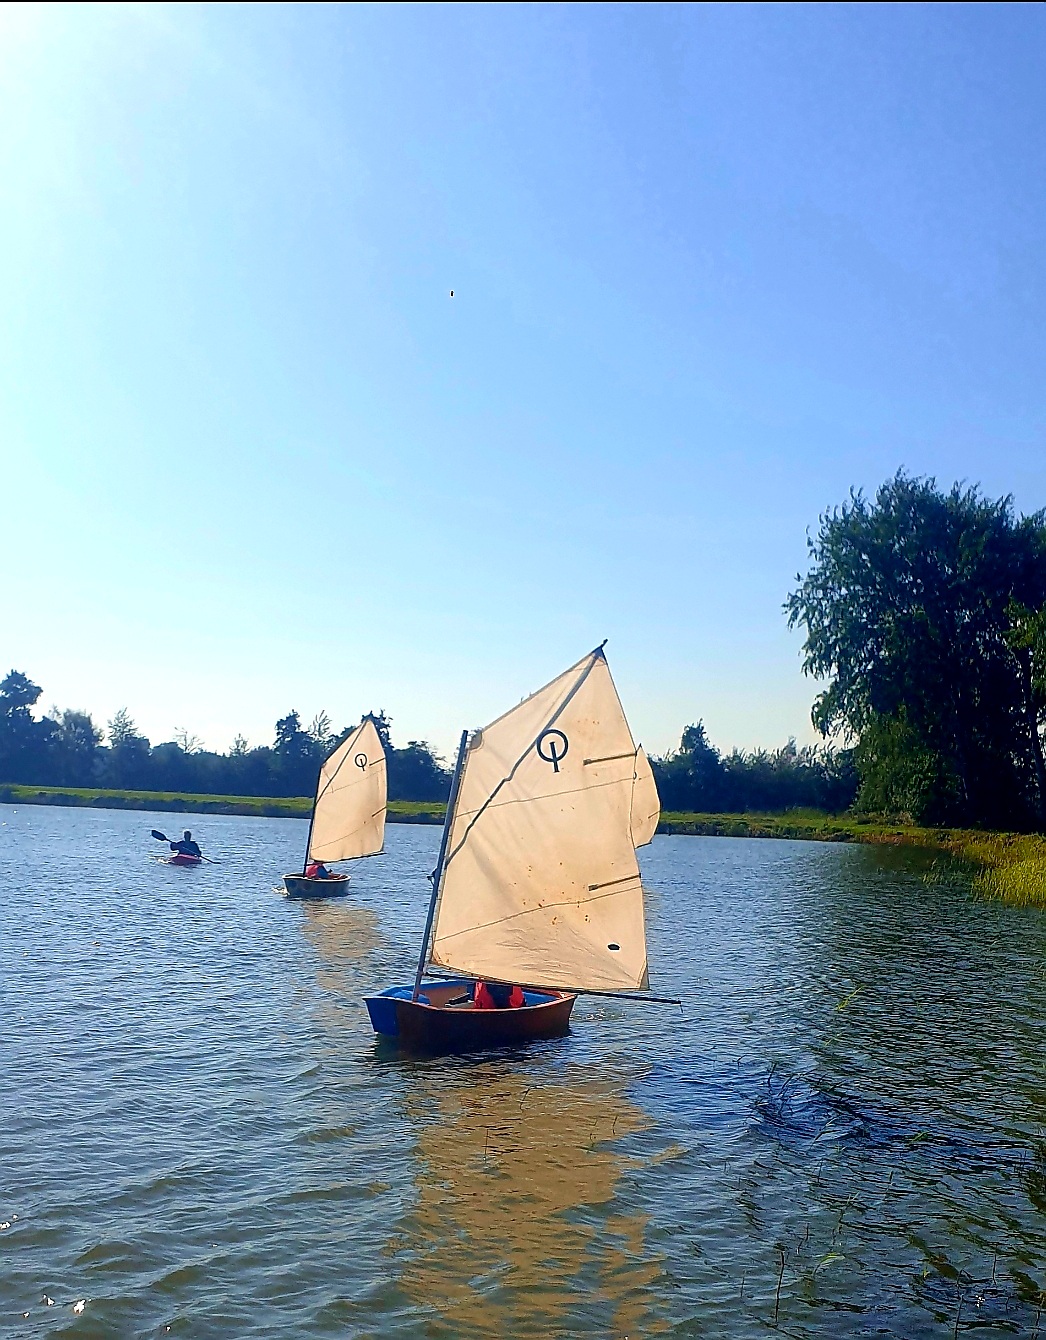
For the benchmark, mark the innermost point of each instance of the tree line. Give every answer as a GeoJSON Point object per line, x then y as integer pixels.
{"type": "Point", "coordinates": [67, 748]}
{"type": "Point", "coordinates": [924, 614]}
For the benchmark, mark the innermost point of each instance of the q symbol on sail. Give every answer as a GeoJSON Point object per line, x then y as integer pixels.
{"type": "Point", "coordinates": [361, 762]}
{"type": "Point", "coordinates": [556, 744]}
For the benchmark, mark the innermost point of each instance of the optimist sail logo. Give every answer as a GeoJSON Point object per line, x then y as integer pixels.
{"type": "Point", "coordinates": [552, 747]}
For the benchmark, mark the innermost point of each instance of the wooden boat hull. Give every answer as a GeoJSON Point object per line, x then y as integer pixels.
{"type": "Point", "coordinates": [431, 1024]}
{"type": "Point", "coordinates": [300, 886]}
{"type": "Point", "coordinates": [180, 858]}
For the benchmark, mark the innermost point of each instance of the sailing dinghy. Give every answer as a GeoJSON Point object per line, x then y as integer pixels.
{"type": "Point", "coordinates": [348, 817]}
{"type": "Point", "coordinates": [537, 880]}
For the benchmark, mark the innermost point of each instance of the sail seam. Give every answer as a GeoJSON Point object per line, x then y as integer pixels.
{"type": "Point", "coordinates": [334, 775]}
{"type": "Point", "coordinates": [337, 771]}
{"type": "Point", "coordinates": [341, 837]}
{"type": "Point", "coordinates": [593, 657]}
{"type": "Point", "coordinates": [529, 911]}
{"type": "Point", "coordinates": [545, 795]}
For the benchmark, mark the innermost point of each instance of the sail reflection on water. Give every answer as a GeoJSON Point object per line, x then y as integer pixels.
{"type": "Point", "coordinates": [519, 1226]}
{"type": "Point", "coordinates": [344, 935]}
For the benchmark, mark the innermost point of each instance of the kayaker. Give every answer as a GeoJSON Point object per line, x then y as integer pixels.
{"type": "Point", "coordinates": [317, 870]}
{"type": "Point", "coordinates": [186, 847]}
{"type": "Point", "coordinates": [497, 996]}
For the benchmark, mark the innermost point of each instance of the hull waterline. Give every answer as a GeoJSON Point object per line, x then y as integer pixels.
{"type": "Point", "coordinates": [432, 1023]}
{"type": "Point", "coordinates": [300, 886]}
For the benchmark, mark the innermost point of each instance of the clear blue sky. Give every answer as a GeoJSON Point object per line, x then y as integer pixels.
{"type": "Point", "coordinates": [712, 267]}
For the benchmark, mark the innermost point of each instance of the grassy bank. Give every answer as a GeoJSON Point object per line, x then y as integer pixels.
{"type": "Point", "coordinates": [1009, 866]}
{"type": "Point", "coordinates": [813, 825]}
{"type": "Point", "coordinates": [1002, 865]}
{"type": "Point", "coordinates": [180, 802]}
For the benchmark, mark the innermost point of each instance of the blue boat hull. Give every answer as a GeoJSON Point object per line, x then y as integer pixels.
{"type": "Point", "coordinates": [432, 1023]}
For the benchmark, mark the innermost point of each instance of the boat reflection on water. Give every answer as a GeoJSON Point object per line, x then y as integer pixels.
{"type": "Point", "coordinates": [520, 1226]}
{"type": "Point", "coordinates": [344, 935]}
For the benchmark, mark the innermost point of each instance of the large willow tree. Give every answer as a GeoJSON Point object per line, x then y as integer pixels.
{"type": "Point", "coordinates": [925, 612]}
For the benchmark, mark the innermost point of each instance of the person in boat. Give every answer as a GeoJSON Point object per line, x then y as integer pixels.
{"type": "Point", "coordinates": [497, 996]}
{"type": "Point", "coordinates": [186, 847]}
{"type": "Point", "coordinates": [317, 870]}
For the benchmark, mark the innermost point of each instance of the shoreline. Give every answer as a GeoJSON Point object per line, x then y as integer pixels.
{"type": "Point", "coordinates": [1007, 866]}
{"type": "Point", "coordinates": [185, 802]}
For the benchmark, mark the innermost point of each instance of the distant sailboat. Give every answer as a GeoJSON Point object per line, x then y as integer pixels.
{"type": "Point", "coordinates": [537, 881]}
{"type": "Point", "coordinates": [348, 816]}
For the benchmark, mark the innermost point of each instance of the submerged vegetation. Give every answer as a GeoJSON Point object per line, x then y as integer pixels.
{"type": "Point", "coordinates": [1007, 866]}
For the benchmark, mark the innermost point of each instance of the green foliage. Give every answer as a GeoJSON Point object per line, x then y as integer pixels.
{"type": "Point", "coordinates": [23, 741]}
{"type": "Point", "coordinates": [909, 615]}
{"type": "Point", "coordinates": [697, 777]}
{"type": "Point", "coordinates": [65, 749]}
{"type": "Point", "coordinates": [73, 747]}
{"type": "Point", "coordinates": [901, 775]}
{"type": "Point", "coordinates": [122, 729]}
{"type": "Point", "coordinates": [17, 693]}
{"type": "Point", "coordinates": [383, 725]}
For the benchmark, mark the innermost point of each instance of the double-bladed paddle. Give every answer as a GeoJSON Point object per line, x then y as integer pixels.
{"type": "Point", "coordinates": [162, 837]}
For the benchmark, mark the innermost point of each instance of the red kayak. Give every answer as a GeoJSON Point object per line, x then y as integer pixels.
{"type": "Point", "coordinates": [180, 858]}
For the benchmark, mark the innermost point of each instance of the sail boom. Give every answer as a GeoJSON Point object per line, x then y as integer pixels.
{"type": "Point", "coordinates": [448, 974]}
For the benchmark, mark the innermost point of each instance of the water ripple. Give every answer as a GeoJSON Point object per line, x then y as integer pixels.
{"type": "Point", "coordinates": [841, 1132]}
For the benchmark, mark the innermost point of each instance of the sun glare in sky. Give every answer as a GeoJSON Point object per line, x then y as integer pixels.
{"type": "Point", "coordinates": [711, 268]}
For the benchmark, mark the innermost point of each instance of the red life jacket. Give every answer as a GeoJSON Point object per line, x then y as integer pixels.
{"type": "Point", "coordinates": [312, 870]}
{"type": "Point", "coordinates": [483, 1000]}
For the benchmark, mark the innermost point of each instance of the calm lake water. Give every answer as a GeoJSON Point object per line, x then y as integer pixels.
{"type": "Point", "coordinates": [841, 1133]}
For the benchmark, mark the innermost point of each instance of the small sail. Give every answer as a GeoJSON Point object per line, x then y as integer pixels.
{"type": "Point", "coordinates": [646, 804]}
{"type": "Point", "coordinates": [349, 817]}
{"type": "Point", "coordinates": [540, 882]}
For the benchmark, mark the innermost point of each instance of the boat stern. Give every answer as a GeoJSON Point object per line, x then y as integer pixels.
{"type": "Point", "coordinates": [384, 1009]}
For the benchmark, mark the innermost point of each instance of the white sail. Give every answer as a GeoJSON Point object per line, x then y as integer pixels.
{"type": "Point", "coordinates": [349, 817]}
{"type": "Point", "coordinates": [646, 804]}
{"type": "Point", "coordinates": [540, 882]}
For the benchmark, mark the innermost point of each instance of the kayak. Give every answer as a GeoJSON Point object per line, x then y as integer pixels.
{"type": "Point", "coordinates": [300, 886]}
{"type": "Point", "coordinates": [180, 858]}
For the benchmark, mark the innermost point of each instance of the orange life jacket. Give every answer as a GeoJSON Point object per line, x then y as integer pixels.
{"type": "Point", "coordinates": [483, 1000]}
